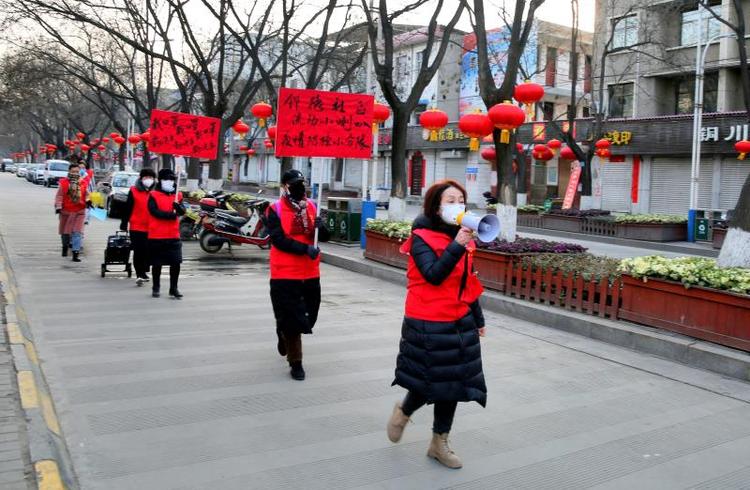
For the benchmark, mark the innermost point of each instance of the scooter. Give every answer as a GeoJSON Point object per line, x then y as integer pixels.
{"type": "Point", "coordinates": [221, 227]}
{"type": "Point", "coordinates": [190, 223]}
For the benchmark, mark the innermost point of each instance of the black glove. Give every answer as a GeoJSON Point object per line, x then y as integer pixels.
{"type": "Point", "coordinates": [123, 227]}
{"type": "Point", "coordinates": [57, 210]}
{"type": "Point", "coordinates": [89, 205]}
{"type": "Point", "coordinates": [319, 223]}
{"type": "Point", "coordinates": [313, 252]}
{"type": "Point", "coordinates": [179, 209]}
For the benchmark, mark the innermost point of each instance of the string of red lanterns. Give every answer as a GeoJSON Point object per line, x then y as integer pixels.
{"type": "Point", "coordinates": [475, 126]}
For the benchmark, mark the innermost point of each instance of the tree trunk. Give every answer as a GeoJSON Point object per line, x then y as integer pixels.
{"type": "Point", "coordinates": [398, 154]}
{"type": "Point", "coordinates": [287, 163]}
{"type": "Point", "coordinates": [193, 174]}
{"type": "Point", "coordinates": [216, 166]}
{"type": "Point", "coordinates": [735, 252]}
{"type": "Point", "coordinates": [506, 179]}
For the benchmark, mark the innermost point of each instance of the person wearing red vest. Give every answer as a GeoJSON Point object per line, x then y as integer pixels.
{"type": "Point", "coordinates": [137, 215]}
{"type": "Point", "coordinates": [295, 267]}
{"type": "Point", "coordinates": [71, 202]}
{"type": "Point", "coordinates": [440, 360]}
{"type": "Point", "coordinates": [164, 245]}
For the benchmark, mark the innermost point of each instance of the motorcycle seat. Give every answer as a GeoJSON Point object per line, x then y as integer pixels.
{"type": "Point", "coordinates": [235, 220]}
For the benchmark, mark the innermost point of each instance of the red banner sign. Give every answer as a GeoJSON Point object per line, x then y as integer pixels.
{"type": "Point", "coordinates": [570, 192]}
{"type": "Point", "coordinates": [187, 135]}
{"type": "Point", "coordinates": [312, 123]}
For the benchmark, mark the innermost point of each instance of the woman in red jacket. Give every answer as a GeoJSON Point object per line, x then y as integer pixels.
{"type": "Point", "coordinates": [164, 245]}
{"type": "Point", "coordinates": [136, 214]}
{"type": "Point", "coordinates": [440, 359]}
{"type": "Point", "coordinates": [71, 201]}
{"type": "Point", "coordinates": [295, 267]}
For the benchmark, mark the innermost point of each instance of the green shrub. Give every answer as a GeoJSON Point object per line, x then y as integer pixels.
{"type": "Point", "coordinates": [391, 228]}
{"type": "Point", "coordinates": [650, 218]}
{"type": "Point", "coordinates": [585, 265]}
{"type": "Point", "coordinates": [690, 271]}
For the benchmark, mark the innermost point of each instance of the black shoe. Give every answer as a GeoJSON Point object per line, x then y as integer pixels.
{"type": "Point", "coordinates": [280, 345]}
{"type": "Point", "coordinates": [145, 277]}
{"type": "Point", "coordinates": [75, 257]}
{"type": "Point", "coordinates": [175, 293]}
{"type": "Point", "coordinates": [297, 371]}
{"type": "Point", "coordinates": [64, 251]}
{"type": "Point", "coordinates": [155, 293]}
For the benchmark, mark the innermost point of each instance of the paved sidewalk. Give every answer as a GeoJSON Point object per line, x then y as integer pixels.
{"type": "Point", "coordinates": [162, 394]}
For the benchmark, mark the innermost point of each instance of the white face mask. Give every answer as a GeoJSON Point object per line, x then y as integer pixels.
{"type": "Point", "coordinates": [167, 185]}
{"type": "Point", "coordinates": [450, 212]}
{"type": "Point", "coordinates": [147, 183]}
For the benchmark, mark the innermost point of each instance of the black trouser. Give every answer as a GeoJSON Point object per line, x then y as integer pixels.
{"type": "Point", "coordinates": [444, 411]}
{"type": "Point", "coordinates": [174, 275]}
{"type": "Point", "coordinates": [295, 306]}
{"type": "Point", "coordinates": [139, 244]}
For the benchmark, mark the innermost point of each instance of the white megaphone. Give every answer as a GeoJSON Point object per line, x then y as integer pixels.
{"type": "Point", "coordinates": [487, 226]}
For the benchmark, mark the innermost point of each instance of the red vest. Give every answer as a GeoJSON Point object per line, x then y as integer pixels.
{"type": "Point", "coordinates": [160, 229]}
{"type": "Point", "coordinates": [440, 303]}
{"type": "Point", "coordinates": [140, 217]}
{"type": "Point", "coordinates": [285, 265]}
{"type": "Point", "coordinates": [68, 204]}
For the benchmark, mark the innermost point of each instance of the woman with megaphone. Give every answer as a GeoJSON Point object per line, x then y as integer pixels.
{"type": "Point", "coordinates": [440, 360]}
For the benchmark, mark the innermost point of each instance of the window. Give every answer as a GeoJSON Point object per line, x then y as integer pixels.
{"type": "Point", "coordinates": [548, 110]}
{"type": "Point", "coordinates": [420, 55]}
{"type": "Point", "coordinates": [621, 100]}
{"type": "Point", "coordinates": [686, 93]}
{"type": "Point", "coordinates": [689, 26]}
{"type": "Point", "coordinates": [552, 173]}
{"type": "Point", "coordinates": [626, 31]}
{"type": "Point", "coordinates": [402, 68]}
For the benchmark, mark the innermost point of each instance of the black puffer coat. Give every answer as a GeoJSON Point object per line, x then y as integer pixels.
{"type": "Point", "coordinates": [441, 361]}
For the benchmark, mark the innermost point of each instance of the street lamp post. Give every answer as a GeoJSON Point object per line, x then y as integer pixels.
{"type": "Point", "coordinates": [700, 61]}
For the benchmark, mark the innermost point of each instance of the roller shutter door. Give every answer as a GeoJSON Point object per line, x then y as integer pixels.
{"type": "Point", "coordinates": [616, 185]}
{"type": "Point", "coordinates": [733, 176]}
{"type": "Point", "coordinates": [670, 186]}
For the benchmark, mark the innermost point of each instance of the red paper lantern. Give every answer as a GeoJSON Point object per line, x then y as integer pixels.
{"type": "Point", "coordinates": [119, 140]}
{"type": "Point", "coordinates": [604, 153]}
{"type": "Point", "coordinates": [519, 147]}
{"type": "Point", "coordinates": [105, 140]}
{"type": "Point", "coordinates": [85, 148]}
{"type": "Point", "coordinates": [146, 136]}
{"type": "Point", "coordinates": [489, 155]}
{"type": "Point", "coordinates": [114, 135]}
{"type": "Point", "coordinates": [567, 153]}
{"type": "Point", "coordinates": [554, 145]}
{"type": "Point", "coordinates": [528, 93]}
{"type": "Point", "coordinates": [433, 120]}
{"type": "Point", "coordinates": [95, 141]}
{"type": "Point", "coordinates": [134, 139]}
{"type": "Point", "coordinates": [268, 143]}
{"type": "Point", "coordinates": [272, 132]}
{"type": "Point", "coordinates": [240, 127]}
{"type": "Point", "coordinates": [262, 111]}
{"type": "Point", "coordinates": [250, 152]}
{"type": "Point", "coordinates": [507, 117]}
{"type": "Point", "coordinates": [743, 148]}
{"type": "Point", "coordinates": [243, 148]}
{"type": "Point", "coordinates": [80, 135]}
{"type": "Point", "coordinates": [542, 152]}
{"type": "Point", "coordinates": [380, 114]}
{"type": "Point", "coordinates": [603, 144]}
{"type": "Point", "coordinates": [102, 148]}
{"type": "Point", "coordinates": [475, 126]}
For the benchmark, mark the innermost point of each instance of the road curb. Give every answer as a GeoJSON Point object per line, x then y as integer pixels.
{"type": "Point", "coordinates": [49, 454]}
{"type": "Point", "coordinates": [674, 347]}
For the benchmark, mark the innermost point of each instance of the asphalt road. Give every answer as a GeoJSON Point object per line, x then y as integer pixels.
{"type": "Point", "coordinates": [162, 394]}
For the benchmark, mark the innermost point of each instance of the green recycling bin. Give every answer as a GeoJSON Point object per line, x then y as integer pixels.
{"type": "Point", "coordinates": [347, 219]}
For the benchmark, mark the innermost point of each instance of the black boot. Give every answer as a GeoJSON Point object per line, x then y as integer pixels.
{"type": "Point", "coordinates": [297, 371]}
{"type": "Point", "coordinates": [175, 293]}
{"type": "Point", "coordinates": [64, 250]}
{"type": "Point", "coordinates": [155, 293]}
{"type": "Point", "coordinates": [75, 257]}
{"type": "Point", "coordinates": [280, 345]}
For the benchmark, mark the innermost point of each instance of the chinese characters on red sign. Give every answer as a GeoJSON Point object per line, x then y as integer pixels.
{"type": "Point", "coordinates": [186, 135]}
{"type": "Point", "coordinates": [570, 192]}
{"type": "Point", "coordinates": [323, 124]}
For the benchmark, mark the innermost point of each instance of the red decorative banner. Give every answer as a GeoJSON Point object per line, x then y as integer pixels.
{"type": "Point", "coordinates": [312, 123]}
{"type": "Point", "coordinates": [187, 135]}
{"type": "Point", "coordinates": [570, 192]}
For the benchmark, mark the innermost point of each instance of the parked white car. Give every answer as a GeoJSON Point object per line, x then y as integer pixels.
{"type": "Point", "coordinates": [54, 170]}
{"type": "Point", "coordinates": [119, 187]}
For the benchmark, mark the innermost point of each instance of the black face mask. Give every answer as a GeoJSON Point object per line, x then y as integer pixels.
{"type": "Point", "coordinates": [297, 190]}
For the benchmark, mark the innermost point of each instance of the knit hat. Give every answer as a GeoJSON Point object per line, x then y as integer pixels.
{"type": "Point", "coordinates": [147, 172]}
{"type": "Point", "coordinates": [167, 174]}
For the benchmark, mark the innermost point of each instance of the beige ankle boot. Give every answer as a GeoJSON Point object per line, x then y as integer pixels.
{"type": "Point", "coordinates": [397, 423]}
{"type": "Point", "coordinates": [440, 450]}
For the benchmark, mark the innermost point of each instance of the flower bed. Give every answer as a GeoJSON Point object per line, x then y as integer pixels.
{"type": "Point", "coordinates": [384, 239]}
{"type": "Point", "coordinates": [652, 227]}
{"type": "Point", "coordinates": [691, 296]}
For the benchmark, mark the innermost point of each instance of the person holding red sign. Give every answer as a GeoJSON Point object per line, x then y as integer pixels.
{"type": "Point", "coordinates": [295, 267]}
{"type": "Point", "coordinates": [440, 359]}
{"type": "Point", "coordinates": [164, 245]}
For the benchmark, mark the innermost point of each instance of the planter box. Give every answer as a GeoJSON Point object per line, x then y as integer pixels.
{"type": "Point", "coordinates": [718, 237]}
{"type": "Point", "coordinates": [653, 232]}
{"type": "Point", "coordinates": [530, 220]}
{"type": "Point", "coordinates": [599, 226]}
{"type": "Point", "coordinates": [561, 223]}
{"type": "Point", "coordinates": [708, 314]}
{"type": "Point", "coordinates": [384, 249]}
{"type": "Point", "coordinates": [492, 268]}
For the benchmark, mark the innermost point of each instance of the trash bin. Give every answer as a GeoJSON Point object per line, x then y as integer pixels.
{"type": "Point", "coordinates": [348, 217]}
